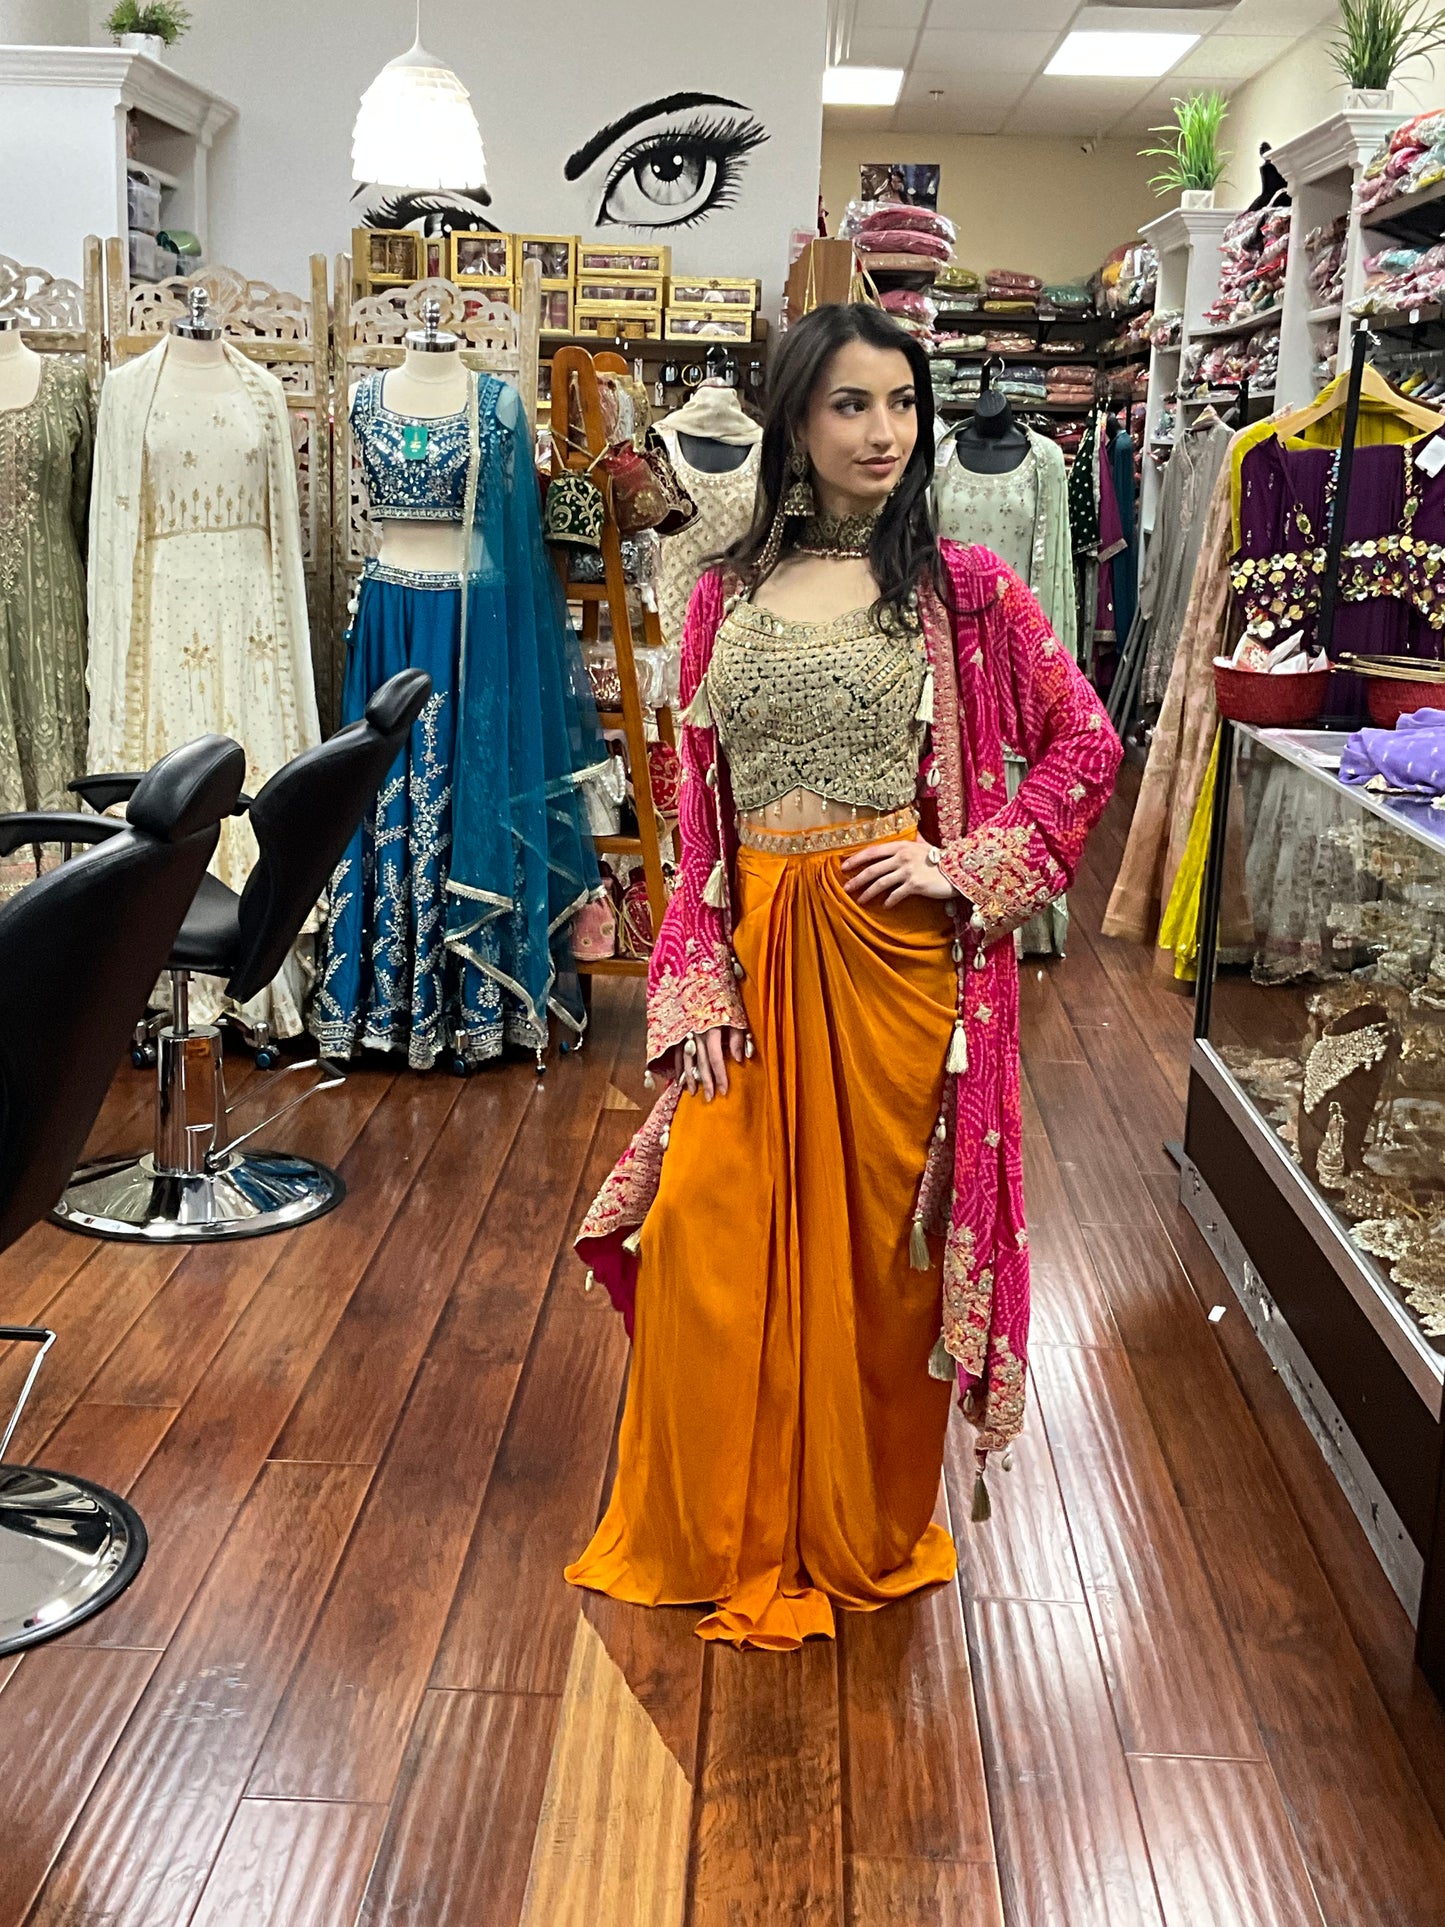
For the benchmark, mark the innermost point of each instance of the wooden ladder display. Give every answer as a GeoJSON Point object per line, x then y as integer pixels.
{"type": "Point", "coordinates": [574, 370]}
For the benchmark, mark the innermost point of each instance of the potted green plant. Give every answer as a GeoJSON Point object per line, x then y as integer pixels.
{"type": "Point", "coordinates": [147, 26]}
{"type": "Point", "coordinates": [1192, 157]}
{"type": "Point", "coordinates": [1376, 38]}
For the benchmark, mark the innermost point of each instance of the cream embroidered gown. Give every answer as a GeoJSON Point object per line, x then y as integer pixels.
{"type": "Point", "coordinates": [205, 653]}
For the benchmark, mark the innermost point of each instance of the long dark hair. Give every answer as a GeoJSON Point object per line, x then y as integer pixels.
{"type": "Point", "coordinates": [904, 549]}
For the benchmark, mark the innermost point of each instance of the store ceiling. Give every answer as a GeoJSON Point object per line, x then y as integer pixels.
{"type": "Point", "coordinates": [966, 73]}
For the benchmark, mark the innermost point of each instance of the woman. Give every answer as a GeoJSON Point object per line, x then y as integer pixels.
{"type": "Point", "coordinates": [821, 1223]}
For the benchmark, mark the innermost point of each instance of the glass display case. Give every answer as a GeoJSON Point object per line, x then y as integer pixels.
{"type": "Point", "coordinates": [1314, 1153]}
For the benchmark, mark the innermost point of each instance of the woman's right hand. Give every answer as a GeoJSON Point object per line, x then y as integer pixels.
{"type": "Point", "coordinates": [700, 1062]}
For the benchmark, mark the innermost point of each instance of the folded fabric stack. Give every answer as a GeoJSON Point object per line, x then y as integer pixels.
{"type": "Point", "coordinates": [1398, 279]}
{"type": "Point", "coordinates": [1023, 383]}
{"type": "Point", "coordinates": [1066, 298]}
{"type": "Point", "coordinates": [1127, 279]}
{"type": "Point", "coordinates": [1008, 292]}
{"type": "Point", "coordinates": [912, 233]}
{"type": "Point", "coordinates": [912, 310]}
{"type": "Point", "coordinates": [1070, 386]}
{"type": "Point", "coordinates": [961, 344]}
{"type": "Point", "coordinates": [1325, 248]}
{"type": "Point", "coordinates": [1412, 158]}
{"type": "Point", "coordinates": [1254, 359]}
{"type": "Point", "coordinates": [999, 341]}
{"type": "Point", "coordinates": [960, 280]}
{"type": "Point", "coordinates": [1061, 345]}
{"type": "Point", "coordinates": [1160, 327]}
{"type": "Point", "coordinates": [1254, 253]}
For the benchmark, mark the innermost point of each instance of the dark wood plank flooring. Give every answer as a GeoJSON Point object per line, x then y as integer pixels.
{"type": "Point", "coordinates": [1171, 1688]}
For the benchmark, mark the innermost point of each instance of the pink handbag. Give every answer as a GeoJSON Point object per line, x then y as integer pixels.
{"type": "Point", "coordinates": [594, 931]}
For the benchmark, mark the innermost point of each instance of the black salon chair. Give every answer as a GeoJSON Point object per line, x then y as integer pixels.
{"type": "Point", "coordinates": [197, 1182]}
{"type": "Point", "coordinates": [80, 949]}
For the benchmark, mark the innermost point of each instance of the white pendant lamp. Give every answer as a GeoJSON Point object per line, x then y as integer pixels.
{"type": "Point", "coordinates": [416, 127]}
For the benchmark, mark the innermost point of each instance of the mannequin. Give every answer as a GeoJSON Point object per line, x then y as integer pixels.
{"type": "Point", "coordinates": [45, 458]}
{"type": "Point", "coordinates": [715, 445]}
{"type": "Point", "coordinates": [198, 616]}
{"type": "Point", "coordinates": [430, 385]}
{"type": "Point", "coordinates": [20, 367]}
{"type": "Point", "coordinates": [449, 910]}
{"type": "Point", "coordinates": [195, 359]}
{"type": "Point", "coordinates": [991, 443]}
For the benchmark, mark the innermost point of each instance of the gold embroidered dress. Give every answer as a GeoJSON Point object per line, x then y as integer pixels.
{"type": "Point", "coordinates": [45, 457]}
{"type": "Point", "coordinates": [198, 603]}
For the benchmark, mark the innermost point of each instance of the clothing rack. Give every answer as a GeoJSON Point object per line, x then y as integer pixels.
{"type": "Point", "coordinates": [575, 370]}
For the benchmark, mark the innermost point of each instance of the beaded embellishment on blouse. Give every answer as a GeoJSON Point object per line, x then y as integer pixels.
{"type": "Point", "coordinates": [415, 469]}
{"type": "Point", "coordinates": [830, 707]}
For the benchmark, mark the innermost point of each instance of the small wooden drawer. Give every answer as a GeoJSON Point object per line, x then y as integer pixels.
{"type": "Point", "coordinates": [711, 293]}
{"type": "Point", "coordinates": [479, 258]}
{"type": "Point", "coordinates": [620, 324]}
{"type": "Point", "coordinates": [708, 324]}
{"type": "Point", "coordinates": [601, 257]}
{"type": "Point", "coordinates": [556, 254]}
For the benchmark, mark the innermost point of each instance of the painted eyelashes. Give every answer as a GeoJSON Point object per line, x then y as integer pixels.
{"type": "Point", "coordinates": [672, 176]}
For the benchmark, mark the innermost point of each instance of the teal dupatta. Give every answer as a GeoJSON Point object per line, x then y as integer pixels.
{"type": "Point", "coordinates": [522, 859]}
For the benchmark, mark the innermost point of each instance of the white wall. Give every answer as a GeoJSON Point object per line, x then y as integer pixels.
{"type": "Point", "coordinates": [544, 75]}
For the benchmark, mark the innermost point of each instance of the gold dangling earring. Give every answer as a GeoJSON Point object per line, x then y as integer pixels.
{"type": "Point", "coordinates": [799, 498]}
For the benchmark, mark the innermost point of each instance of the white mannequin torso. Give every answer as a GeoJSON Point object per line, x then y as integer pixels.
{"type": "Point", "coordinates": [20, 371]}
{"type": "Point", "coordinates": [196, 367]}
{"type": "Point", "coordinates": [426, 386]}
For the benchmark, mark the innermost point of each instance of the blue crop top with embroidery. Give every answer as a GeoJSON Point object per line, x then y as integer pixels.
{"type": "Point", "coordinates": [415, 469]}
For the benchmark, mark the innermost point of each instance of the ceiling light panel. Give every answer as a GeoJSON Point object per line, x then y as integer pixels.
{"type": "Point", "coordinates": [861, 86]}
{"type": "Point", "coordinates": [1119, 56]}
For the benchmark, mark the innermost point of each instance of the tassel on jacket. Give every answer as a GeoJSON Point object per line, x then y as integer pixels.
{"type": "Point", "coordinates": [941, 1363]}
{"type": "Point", "coordinates": [957, 1051]}
{"type": "Point", "coordinates": [918, 1258]}
{"type": "Point", "coordinates": [715, 893]}
{"type": "Point", "coordinates": [699, 711]}
{"type": "Point", "coordinates": [924, 712]}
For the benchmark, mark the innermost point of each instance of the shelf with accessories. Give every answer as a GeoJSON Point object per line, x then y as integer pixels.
{"type": "Point", "coordinates": [579, 453]}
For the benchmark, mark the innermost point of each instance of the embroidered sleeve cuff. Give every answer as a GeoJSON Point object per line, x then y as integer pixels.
{"type": "Point", "coordinates": [698, 998]}
{"type": "Point", "coordinates": [1005, 872]}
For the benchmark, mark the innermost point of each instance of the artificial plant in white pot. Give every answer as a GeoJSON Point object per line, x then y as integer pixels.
{"type": "Point", "coordinates": [1375, 39]}
{"type": "Point", "coordinates": [147, 26]}
{"type": "Point", "coordinates": [1193, 160]}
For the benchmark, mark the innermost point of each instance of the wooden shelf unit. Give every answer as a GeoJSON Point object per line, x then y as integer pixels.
{"type": "Point", "coordinates": [575, 364]}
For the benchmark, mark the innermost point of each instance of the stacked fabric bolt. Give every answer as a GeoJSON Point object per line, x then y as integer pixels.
{"type": "Point", "coordinates": [962, 344]}
{"type": "Point", "coordinates": [1066, 298]}
{"type": "Point", "coordinates": [1002, 341]}
{"type": "Point", "coordinates": [1398, 279]}
{"type": "Point", "coordinates": [912, 310]}
{"type": "Point", "coordinates": [920, 233]}
{"type": "Point", "coordinates": [1023, 383]}
{"type": "Point", "coordinates": [1412, 158]}
{"type": "Point", "coordinates": [1127, 279]}
{"type": "Point", "coordinates": [958, 279]}
{"type": "Point", "coordinates": [1325, 249]}
{"type": "Point", "coordinates": [1160, 327]}
{"type": "Point", "coordinates": [1254, 253]}
{"type": "Point", "coordinates": [1009, 292]}
{"type": "Point", "coordinates": [1070, 385]}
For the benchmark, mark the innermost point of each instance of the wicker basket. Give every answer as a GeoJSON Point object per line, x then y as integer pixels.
{"type": "Point", "coordinates": [1270, 702]}
{"type": "Point", "coordinates": [1388, 698]}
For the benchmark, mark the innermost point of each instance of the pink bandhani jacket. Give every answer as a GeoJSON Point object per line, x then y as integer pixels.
{"type": "Point", "coordinates": [1000, 676]}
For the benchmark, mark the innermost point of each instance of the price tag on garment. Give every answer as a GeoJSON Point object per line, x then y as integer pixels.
{"type": "Point", "coordinates": [1414, 317]}
{"type": "Point", "coordinates": [1431, 458]}
{"type": "Point", "coordinates": [414, 439]}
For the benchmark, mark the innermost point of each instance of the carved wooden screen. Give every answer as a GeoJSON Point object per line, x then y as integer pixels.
{"type": "Point", "coordinates": [59, 317]}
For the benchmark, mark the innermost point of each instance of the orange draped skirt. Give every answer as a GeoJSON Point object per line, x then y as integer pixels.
{"type": "Point", "coordinates": [782, 1442]}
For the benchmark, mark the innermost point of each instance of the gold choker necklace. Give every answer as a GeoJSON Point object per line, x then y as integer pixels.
{"type": "Point", "coordinates": [844, 536]}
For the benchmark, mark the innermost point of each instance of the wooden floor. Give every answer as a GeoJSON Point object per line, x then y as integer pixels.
{"type": "Point", "coordinates": [350, 1686]}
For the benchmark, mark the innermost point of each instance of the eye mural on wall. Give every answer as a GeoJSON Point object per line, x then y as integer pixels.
{"type": "Point", "coordinates": [668, 163]}
{"type": "Point", "coordinates": [687, 161]}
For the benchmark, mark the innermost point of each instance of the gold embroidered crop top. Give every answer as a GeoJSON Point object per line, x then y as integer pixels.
{"type": "Point", "coordinates": [830, 707]}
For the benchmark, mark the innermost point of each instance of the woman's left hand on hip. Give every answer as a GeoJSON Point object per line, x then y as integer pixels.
{"type": "Point", "coordinates": [893, 871]}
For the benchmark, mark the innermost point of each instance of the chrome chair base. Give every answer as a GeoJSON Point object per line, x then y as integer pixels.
{"type": "Point", "coordinates": [251, 1193]}
{"type": "Point", "coordinates": [67, 1548]}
